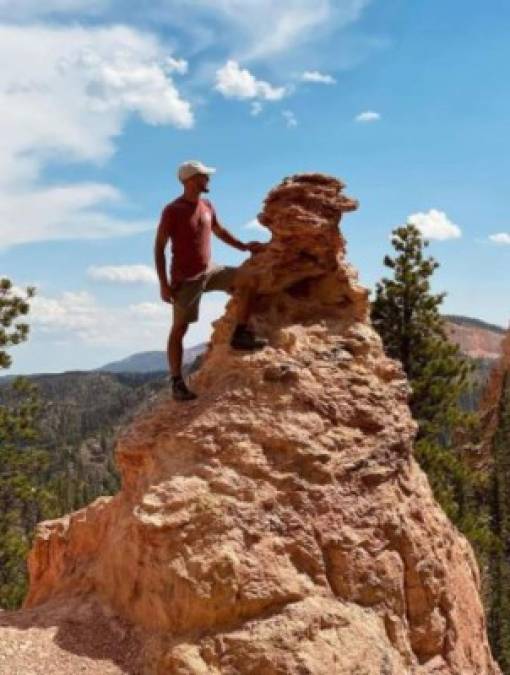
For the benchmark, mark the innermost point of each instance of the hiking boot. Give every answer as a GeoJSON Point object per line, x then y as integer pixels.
{"type": "Point", "coordinates": [243, 338]}
{"type": "Point", "coordinates": [180, 391]}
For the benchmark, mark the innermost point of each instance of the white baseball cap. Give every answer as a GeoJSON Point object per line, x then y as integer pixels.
{"type": "Point", "coordinates": [191, 167]}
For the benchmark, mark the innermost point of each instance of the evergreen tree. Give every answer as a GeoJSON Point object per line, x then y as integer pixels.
{"type": "Point", "coordinates": [406, 314]}
{"type": "Point", "coordinates": [23, 468]}
{"type": "Point", "coordinates": [499, 564]}
{"type": "Point", "coordinates": [12, 306]}
{"type": "Point", "coordinates": [24, 497]}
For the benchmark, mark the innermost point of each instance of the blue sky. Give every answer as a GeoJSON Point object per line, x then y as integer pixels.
{"type": "Point", "coordinates": [407, 102]}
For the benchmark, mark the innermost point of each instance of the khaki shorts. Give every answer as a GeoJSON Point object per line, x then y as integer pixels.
{"type": "Point", "coordinates": [188, 293]}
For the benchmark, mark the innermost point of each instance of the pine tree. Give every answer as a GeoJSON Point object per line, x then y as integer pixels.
{"type": "Point", "coordinates": [12, 306]}
{"type": "Point", "coordinates": [406, 314]}
{"type": "Point", "coordinates": [24, 500]}
{"type": "Point", "coordinates": [499, 565]}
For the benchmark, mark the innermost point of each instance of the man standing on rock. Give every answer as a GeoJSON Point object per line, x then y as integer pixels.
{"type": "Point", "coordinates": [188, 222]}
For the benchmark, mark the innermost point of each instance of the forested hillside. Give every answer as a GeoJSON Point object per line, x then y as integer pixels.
{"type": "Point", "coordinates": [62, 458]}
{"type": "Point", "coordinates": [77, 423]}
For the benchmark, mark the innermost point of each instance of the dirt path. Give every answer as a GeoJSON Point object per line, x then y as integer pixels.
{"type": "Point", "coordinates": [67, 638]}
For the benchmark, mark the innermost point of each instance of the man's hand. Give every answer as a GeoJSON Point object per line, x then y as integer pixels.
{"type": "Point", "coordinates": [167, 295]}
{"type": "Point", "coordinates": [255, 246]}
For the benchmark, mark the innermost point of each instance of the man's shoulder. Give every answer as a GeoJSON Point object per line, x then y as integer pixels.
{"type": "Point", "coordinates": [174, 205]}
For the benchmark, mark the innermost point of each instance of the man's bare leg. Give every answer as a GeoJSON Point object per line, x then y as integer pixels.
{"type": "Point", "coordinates": [175, 349]}
{"type": "Point", "coordinates": [174, 354]}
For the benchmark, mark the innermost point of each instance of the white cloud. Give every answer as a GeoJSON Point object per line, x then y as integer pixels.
{"type": "Point", "coordinates": [263, 28]}
{"type": "Point", "coordinates": [368, 116]}
{"type": "Point", "coordinates": [70, 90]}
{"type": "Point", "coordinates": [258, 231]}
{"type": "Point", "coordinates": [72, 311]}
{"type": "Point", "coordinates": [31, 9]}
{"type": "Point", "coordinates": [123, 71]}
{"type": "Point", "coordinates": [240, 26]}
{"type": "Point", "coordinates": [149, 309]}
{"type": "Point", "coordinates": [235, 82]}
{"type": "Point", "coordinates": [255, 225]}
{"type": "Point", "coordinates": [66, 95]}
{"type": "Point", "coordinates": [249, 29]}
{"type": "Point", "coordinates": [316, 76]}
{"type": "Point", "coordinates": [172, 65]}
{"type": "Point", "coordinates": [290, 118]}
{"type": "Point", "coordinates": [29, 214]}
{"type": "Point", "coordinates": [435, 225]}
{"type": "Point", "coordinates": [77, 317]}
{"type": "Point", "coordinates": [123, 274]}
{"type": "Point", "coordinates": [256, 108]}
{"type": "Point", "coordinates": [500, 238]}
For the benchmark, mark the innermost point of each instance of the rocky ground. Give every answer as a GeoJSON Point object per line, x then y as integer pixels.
{"type": "Point", "coordinates": [67, 638]}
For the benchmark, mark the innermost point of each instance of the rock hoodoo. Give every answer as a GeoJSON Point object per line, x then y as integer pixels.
{"type": "Point", "coordinates": [279, 523]}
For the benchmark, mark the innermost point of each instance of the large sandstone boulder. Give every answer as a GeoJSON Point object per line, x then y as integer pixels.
{"type": "Point", "coordinates": [279, 523]}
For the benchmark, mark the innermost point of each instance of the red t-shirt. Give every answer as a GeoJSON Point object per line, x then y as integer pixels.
{"type": "Point", "coordinates": [188, 225]}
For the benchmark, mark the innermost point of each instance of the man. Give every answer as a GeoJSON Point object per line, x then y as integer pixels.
{"type": "Point", "coordinates": [188, 222]}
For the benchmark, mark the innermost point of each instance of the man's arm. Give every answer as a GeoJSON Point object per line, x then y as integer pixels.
{"type": "Point", "coordinates": [162, 236]}
{"type": "Point", "coordinates": [224, 235]}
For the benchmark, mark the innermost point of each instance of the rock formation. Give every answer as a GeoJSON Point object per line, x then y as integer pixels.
{"type": "Point", "coordinates": [490, 405]}
{"type": "Point", "coordinates": [475, 339]}
{"type": "Point", "coordinates": [279, 524]}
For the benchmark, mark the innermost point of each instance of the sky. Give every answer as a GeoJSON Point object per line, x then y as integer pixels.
{"type": "Point", "coordinates": [101, 100]}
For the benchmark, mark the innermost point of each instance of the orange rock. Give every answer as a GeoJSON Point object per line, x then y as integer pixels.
{"type": "Point", "coordinates": [475, 341]}
{"type": "Point", "coordinates": [489, 406]}
{"type": "Point", "coordinates": [279, 523]}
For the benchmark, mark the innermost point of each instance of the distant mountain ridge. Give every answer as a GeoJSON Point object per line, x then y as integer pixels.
{"type": "Point", "coordinates": [140, 362]}
{"type": "Point", "coordinates": [150, 362]}
{"type": "Point", "coordinates": [473, 323]}
{"type": "Point", "coordinates": [476, 338]}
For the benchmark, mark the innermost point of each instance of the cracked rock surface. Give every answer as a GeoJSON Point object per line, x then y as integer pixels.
{"type": "Point", "coordinates": [279, 523]}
